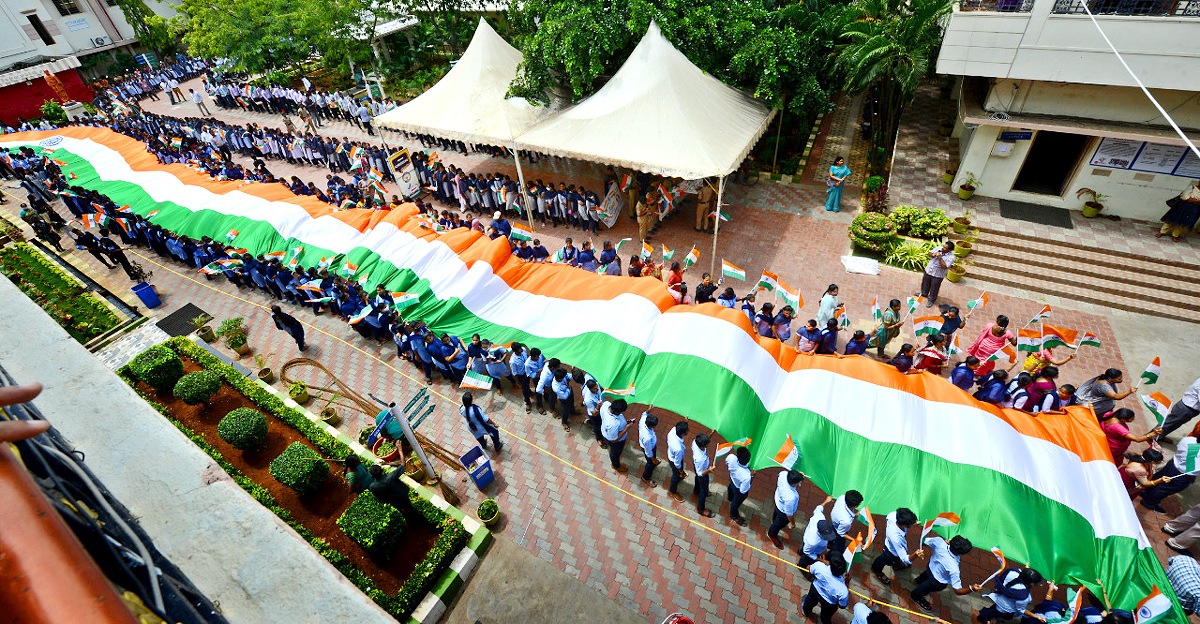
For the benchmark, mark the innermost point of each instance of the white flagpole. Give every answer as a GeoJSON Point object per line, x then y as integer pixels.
{"type": "Point", "coordinates": [717, 226]}
{"type": "Point", "coordinates": [524, 189]}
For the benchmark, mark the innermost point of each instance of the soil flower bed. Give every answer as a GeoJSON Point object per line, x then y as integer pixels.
{"type": "Point", "coordinates": [59, 294]}
{"type": "Point", "coordinates": [396, 580]}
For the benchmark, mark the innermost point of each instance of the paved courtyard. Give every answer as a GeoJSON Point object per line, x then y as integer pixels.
{"type": "Point", "coordinates": [560, 500]}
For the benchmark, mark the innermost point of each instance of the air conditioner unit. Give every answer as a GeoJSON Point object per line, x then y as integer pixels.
{"type": "Point", "coordinates": [100, 42]}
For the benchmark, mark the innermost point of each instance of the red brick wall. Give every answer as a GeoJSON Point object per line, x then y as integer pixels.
{"type": "Point", "coordinates": [22, 100]}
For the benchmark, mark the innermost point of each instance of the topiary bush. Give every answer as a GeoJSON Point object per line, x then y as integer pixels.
{"type": "Point", "coordinates": [297, 467]}
{"type": "Point", "coordinates": [928, 223]}
{"type": "Point", "coordinates": [198, 387]}
{"type": "Point", "coordinates": [873, 231]}
{"type": "Point", "coordinates": [374, 525]}
{"type": "Point", "coordinates": [157, 366]}
{"type": "Point", "coordinates": [245, 429]}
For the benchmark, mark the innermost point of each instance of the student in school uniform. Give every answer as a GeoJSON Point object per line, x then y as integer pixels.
{"type": "Point", "coordinates": [862, 614]}
{"type": "Point", "coordinates": [615, 427]}
{"type": "Point", "coordinates": [844, 511]}
{"type": "Point", "coordinates": [676, 450]}
{"type": "Point", "coordinates": [561, 386]}
{"type": "Point", "coordinates": [787, 497]}
{"type": "Point", "coordinates": [648, 440]}
{"type": "Point", "coordinates": [703, 470]}
{"type": "Point", "coordinates": [943, 570]}
{"type": "Point", "coordinates": [738, 463]}
{"type": "Point", "coordinates": [592, 397]}
{"type": "Point", "coordinates": [545, 387]}
{"type": "Point", "coordinates": [895, 545]}
{"type": "Point", "coordinates": [828, 589]}
{"type": "Point", "coordinates": [857, 345]}
{"type": "Point", "coordinates": [535, 363]}
{"type": "Point", "coordinates": [817, 535]}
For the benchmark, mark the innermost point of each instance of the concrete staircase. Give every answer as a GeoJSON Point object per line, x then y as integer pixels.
{"type": "Point", "coordinates": [1098, 276]}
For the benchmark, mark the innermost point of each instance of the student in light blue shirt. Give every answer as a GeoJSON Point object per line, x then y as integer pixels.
{"type": "Point", "coordinates": [614, 426]}
{"type": "Point", "coordinates": [786, 499]}
{"type": "Point", "coordinates": [703, 469]}
{"type": "Point", "coordinates": [545, 386]}
{"type": "Point", "coordinates": [828, 589]}
{"type": "Point", "coordinates": [534, 363]}
{"type": "Point", "coordinates": [591, 406]}
{"type": "Point", "coordinates": [561, 386]}
{"type": "Point", "coordinates": [738, 463]}
{"type": "Point", "coordinates": [676, 450]}
{"type": "Point", "coordinates": [648, 440]}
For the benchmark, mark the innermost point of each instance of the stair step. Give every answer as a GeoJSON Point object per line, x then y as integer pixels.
{"type": "Point", "coordinates": [1117, 279]}
{"type": "Point", "coordinates": [1107, 258]}
{"type": "Point", "coordinates": [1129, 303]}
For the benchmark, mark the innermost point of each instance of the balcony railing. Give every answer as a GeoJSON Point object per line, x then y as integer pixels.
{"type": "Point", "coordinates": [1173, 8]}
{"type": "Point", "coordinates": [1002, 6]}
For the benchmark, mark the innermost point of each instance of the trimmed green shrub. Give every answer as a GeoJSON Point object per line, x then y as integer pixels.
{"type": "Point", "coordinates": [297, 468]}
{"type": "Point", "coordinates": [198, 387]}
{"type": "Point", "coordinates": [873, 231]}
{"type": "Point", "coordinates": [373, 524]}
{"type": "Point", "coordinates": [244, 428]}
{"type": "Point", "coordinates": [157, 366]}
{"type": "Point", "coordinates": [910, 255]}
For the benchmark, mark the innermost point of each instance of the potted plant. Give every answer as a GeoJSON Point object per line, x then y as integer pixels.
{"type": "Point", "coordinates": [960, 224]}
{"type": "Point", "coordinates": [386, 450]}
{"type": "Point", "coordinates": [1092, 207]}
{"type": "Point", "coordinates": [298, 392]}
{"type": "Point", "coordinates": [414, 469]}
{"type": "Point", "coordinates": [328, 413]}
{"type": "Point", "coordinates": [202, 328]}
{"type": "Point", "coordinates": [234, 332]}
{"type": "Point", "coordinates": [957, 270]}
{"type": "Point", "coordinates": [948, 177]}
{"type": "Point", "coordinates": [967, 188]}
{"type": "Point", "coordinates": [963, 248]}
{"type": "Point", "coordinates": [264, 372]}
{"type": "Point", "coordinates": [488, 512]}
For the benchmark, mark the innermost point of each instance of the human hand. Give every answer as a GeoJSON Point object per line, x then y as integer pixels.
{"type": "Point", "coordinates": [14, 430]}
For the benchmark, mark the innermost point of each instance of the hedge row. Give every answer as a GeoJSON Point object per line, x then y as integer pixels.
{"type": "Point", "coordinates": [59, 294]}
{"type": "Point", "coordinates": [453, 535]}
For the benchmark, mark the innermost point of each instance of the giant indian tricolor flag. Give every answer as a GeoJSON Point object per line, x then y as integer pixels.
{"type": "Point", "coordinates": [938, 450]}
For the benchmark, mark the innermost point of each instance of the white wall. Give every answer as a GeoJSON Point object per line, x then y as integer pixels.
{"type": "Point", "coordinates": [1132, 194]}
{"type": "Point", "coordinates": [1124, 104]}
{"type": "Point", "coordinates": [1163, 51]}
{"type": "Point", "coordinates": [71, 33]}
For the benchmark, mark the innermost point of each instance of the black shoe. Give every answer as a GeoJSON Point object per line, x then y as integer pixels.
{"type": "Point", "coordinates": [924, 605]}
{"type": "Point", "coordinates": [1153, 507]}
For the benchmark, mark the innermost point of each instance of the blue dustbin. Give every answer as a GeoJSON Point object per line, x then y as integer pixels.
{"type": "Point", "coordinates": [145, 292]}
{"type": "Point", "coordinates": [479, 467]}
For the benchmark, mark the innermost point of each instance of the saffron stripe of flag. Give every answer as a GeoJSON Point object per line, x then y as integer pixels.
{"type": "Point", "coordinates": [349, 268]}
{"type": "Point", "coordinates": [313, 286]}
{"type": "Point", "coordinates": [521, 232]}
{"type": "Point", "coordinates": [626, 181]}
{"type": "Point", "coordinates": [275, 255]}
{"type": "Point", "coordinates": [1058, 337]}
{"type": "Point", "coordinates": [788, 455]}
{"type": "Point", "coordinates": [692, 257]}
{"type": "Point", "coordinates": [725, 447]}
{"type": "Point", "coordinates": [152, 213]}
{"type": "Point", "coordinates": [478, 381]}
{"type": "Point", "coordinates": [647, 250]}
{"type": "Point", "coordinates": [1029, 340]}
{"type": "Point", "coordinates": [623, 392]}
{"type": "Point", "coordinates": [1151, 374]}
{"type": "Point", "coordinates": [865, 514]}
{"type": "Point", "coordinates": [729, 270]}
{"type": "Point", "coordinates": [790, 295]}
{"type": "Point", "coordinates": [1003, 564]}
{"type": "Point", "coordinates": [1159, 405]}
{"type": "Point", "coordinates": [927, 325]}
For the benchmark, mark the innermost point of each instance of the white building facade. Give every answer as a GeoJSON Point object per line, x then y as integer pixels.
{"type": "Point", "coordinates": [35, 30]}
{"type": "Point", "coordinates": [1046, 108]}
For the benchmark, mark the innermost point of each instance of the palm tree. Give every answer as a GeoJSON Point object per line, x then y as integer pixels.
{"type": "Point", "coordinates": [890, 44]}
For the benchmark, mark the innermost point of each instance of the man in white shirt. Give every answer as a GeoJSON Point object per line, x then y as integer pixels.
{"type": "Point", "coordinates": [648, 440]}
{"type": "Point", "coordinates": [786, 499]}
{"type": "Point", "coordinates": [614, 427]}
{"type": "Point", "coordinates": [364, 117]}
{"type": "Point", "coordinates": [676, 450]}
{"type": "Point", "coordinates": [175, 92]}
{"type": "Point", "coordinates": [1176, 469]}
{"type": "Point", "coordinates": [828, 590]}
{"type": "Point", "coordinates": [198, 98]}
{"type": "Point", "coordinates": [943, 570]}
{"type": "Point", "coordinates": [703, 469]}
{"type": "Point", "coordinates": [1182, 410]}
{"type": "Point", "coordinates": [845, 510]}
{"type": "Point", "coordinates": [738, 463]}
{"type": "Point", "coordinates": [895, 544]}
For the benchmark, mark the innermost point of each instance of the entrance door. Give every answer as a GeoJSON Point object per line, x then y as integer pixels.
{"type": "Point", "coordinates": [1051, 160]}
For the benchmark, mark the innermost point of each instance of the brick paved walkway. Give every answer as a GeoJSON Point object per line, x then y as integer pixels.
{"type": "Point", "coordinates": [561, 501]}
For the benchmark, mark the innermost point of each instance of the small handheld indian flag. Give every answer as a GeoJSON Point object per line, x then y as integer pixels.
{"type": "Point", "coordinates": [853, 546]}
{"type": "Point", "coordinates": [926, 325]}
{"type": "Point", "coordinates": [521, 232]}
{"type": "Point", "coordinates": [768, 282]}
{"type": "Point", "coordinates": [947, 519]}
{"type": "Point", "coordinates": [349, 268]}
{"type": "Point", "coordinates": [1152, 608]}
{"type": "Point", "coordinates": [311, 286]}
{"type": "Point", "coordinates": [478, 381]}
{"type": "Point", "coordinates": [275, 255]}
{"type": "Point", "coordinates": [374, 174]}
{"type": "Point", "coordinates": [1003, 564]}
{"type": "Point", "coordinates": [954, 349]}
{"type": "Point", "coordinates": [647, 250]}
{"type": "Point", "coordinates": [362, 279]}
{"type": "Point", "coordinates": [788, 455]}
{"type": "Point", "coordinates": [667, 253]}
{"type": "Point", "coordinates": [913, 302]}
{"type": "Point", "coordinates": [621, 242]}
{"type": "Point", "coordinates": [152, 213]}
{"type": "Point", "coordinates": [1151, 374]}
{"type": "Point", "coordinates": [1043, 313]}
{"type": "Point", "coordinates": [729, 270]}
{"type": "Point", "coordinates": [790, 295]}
{"type": "Point", "coordinates": [725, 447]}
{"type": "Point", "coordinates": [692, 257]}
{"type": "Point", "coordinates": [558, 256]}
{"type": "Point", "coordinates": [1004, 354]}
{"type": "Point", "coordinates": [401, 300]}
{"type": "Point", "coordinates": [626, 182]}
{"type": "Point", "coordinates": [622, 392]}
{"type": "Point", "coordinates": [1089, 339]}
{"type": "Point", "coordinates": [176, 142]}
{"type": "Point", "coordinates": [865, 514]}
{"type": "Point", "coordinates": [231, 234]}
{"type": "Point", "coordinates": [59, 162]}
{"type": "Point", "coordinates": [719, 214]}
{"type": "Point", "coordinates": [842, 318]}
{"type": "Point", "coordinates": [362, 314]}
{"type": "Point", "coordinates": [1158, 404]}
{"type": "Point", "coordinates": [1029, 340]}
{"type": "Point", "coordinates": [320, 300]}
{"type": "Point", "coordinates": [1058, 337]}
{"type": "Point", "coordinates": [876, 312]}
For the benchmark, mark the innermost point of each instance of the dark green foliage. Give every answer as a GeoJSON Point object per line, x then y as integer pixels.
{"type": "Point", "coordinates": [158, 366]}
{"type": "Point", "coordinates": [873, 231]}
{"type": "Point", "coordinates": [374, 525]}
{"type": "Point", "coordinates": [198, 387]}
{"type": "Point", "coordinates": [297, 468]}
{"type": "Point", "coordinates": [244, 428]}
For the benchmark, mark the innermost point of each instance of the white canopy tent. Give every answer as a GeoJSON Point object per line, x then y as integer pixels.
{"type": "Point", "coordinates": [659, 114]}
{"type": "Point", "coordinates": [468, 103]}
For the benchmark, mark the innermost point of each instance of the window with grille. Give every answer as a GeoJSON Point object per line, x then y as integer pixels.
{"type": "Point", "coordinates": [66, 7]}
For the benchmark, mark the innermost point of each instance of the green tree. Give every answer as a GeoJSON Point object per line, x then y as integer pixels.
{"type": "Point", "coordinates": [890, 44]}
{"type": "Point", "coordinates": [151, 29]}
{"type": "Point", "coordinates": [257, 35]}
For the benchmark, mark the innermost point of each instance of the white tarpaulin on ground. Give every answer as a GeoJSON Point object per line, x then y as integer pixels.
{"type": "Point", "coordinates": [660, 114]}
{"type": "Point", "coordinates": [468, 103]}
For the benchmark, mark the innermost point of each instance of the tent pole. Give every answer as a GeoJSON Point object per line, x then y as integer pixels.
{"type": "Point", "coordinates": [712, 265]}
{"type": "Point", "coordinates": [524, 188]}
